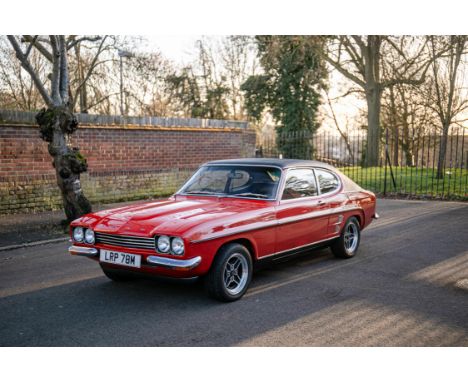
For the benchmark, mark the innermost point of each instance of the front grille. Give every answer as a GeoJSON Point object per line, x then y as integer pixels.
{"type": "Point", "coordinates": [125, 241]}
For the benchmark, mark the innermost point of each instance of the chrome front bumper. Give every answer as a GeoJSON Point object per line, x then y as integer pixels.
{"type": "Point", "coordinates": [182, 265]}
{"type": "Point", "coordinates": [177, 264]}
{"type": "Point", "coordinates": [83, 251]}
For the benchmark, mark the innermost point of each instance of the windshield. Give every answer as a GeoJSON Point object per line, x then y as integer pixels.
{"type": "Point", "coordinates": [236, 181]}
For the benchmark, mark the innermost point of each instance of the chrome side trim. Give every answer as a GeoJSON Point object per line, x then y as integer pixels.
{"type": "Point", "coordinates": [340, 220]}
{"type": "Point", "coordinates": [283, 221]}
{"type": "Point", "coordinates": [174, 263]}
{"type": "Point", "coordinates": [235, 233]}
{"type": "Point", "coordinates": [298, 248]}
{"type": "Point", "coordinates": [316, 214]}
{"type": "Point", "coordinates": [338, 223]}
{"type": "Point", "coordinates": [82, 251]}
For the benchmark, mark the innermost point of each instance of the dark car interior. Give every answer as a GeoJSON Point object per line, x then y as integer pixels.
{"type": "Point", "coordinates": [261, 181]}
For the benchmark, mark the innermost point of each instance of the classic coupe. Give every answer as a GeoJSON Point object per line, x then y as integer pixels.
{"type": "Point", "coordinates": [229, 217]}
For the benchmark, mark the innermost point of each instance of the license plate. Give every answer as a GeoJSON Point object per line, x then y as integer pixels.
{"type": "Point", "coordinates": [120, 258]}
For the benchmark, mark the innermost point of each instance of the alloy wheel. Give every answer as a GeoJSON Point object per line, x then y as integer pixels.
{"type": "Point", "coordinates": [236, 273]}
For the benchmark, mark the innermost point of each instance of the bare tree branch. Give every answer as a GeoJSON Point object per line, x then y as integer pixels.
{"type": "Point", "coordinates": [355, 57]}
{"type": "Point", "coordinates": [342, 133]}
{"type": "Point", "coordinates": [27, 66]}
{"type": "Point", "coordinates": [63, 87]}
{"type": "Point", "coordinates": [97, 102]}
{"type": "Point", "coordinates": [345, 72]}
{"type": "Point", "coordinates": [55, 80]}
{"type": "Point", "coordinates": [419, 70]}
{"type": "Point", "coordinates": [30, 47]}
{"type": "Point", "coordinates": [347, 93]}
{"type": "Point", "coordinates": [72, 43]}
{"type": "Point", "coordinates": [91, 69]}
{"type": "Point", "coordinates": [360, 43]}
{"type": "Point", "coordinates": [41, 48]}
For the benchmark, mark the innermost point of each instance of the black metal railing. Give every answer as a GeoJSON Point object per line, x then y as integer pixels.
{"type": "Point", "coordinates": [408, 164]}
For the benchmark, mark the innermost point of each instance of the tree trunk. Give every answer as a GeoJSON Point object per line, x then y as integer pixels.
{"type": "Point", "coordinates": [406, 145]}
{"type": "Point", "coordinates": [56, 124]}
{"type": "Point", "coordinates": [373, 98]}
{"type": "Point", "coordinates": [442, 152]}
{"type": "Point", "coordinates": [408, 155]}
{"type": "Point", "coordinates": [394, 126]}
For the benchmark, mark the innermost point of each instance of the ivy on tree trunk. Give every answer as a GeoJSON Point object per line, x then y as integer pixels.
{"type": "Point", "coordinates": [56, 125]}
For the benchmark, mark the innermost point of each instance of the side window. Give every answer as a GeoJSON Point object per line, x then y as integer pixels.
{"type": "Point", "coordinates": [300, 183]}
{"type": "Point", "coordinates": [328, 182]}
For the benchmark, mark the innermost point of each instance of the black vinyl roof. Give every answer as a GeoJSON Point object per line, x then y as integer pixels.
{"type": "Point", "coordinates": [282, 163]}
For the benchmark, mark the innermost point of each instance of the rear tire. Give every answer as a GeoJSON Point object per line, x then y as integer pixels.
{"type": "Point", "coordinates": [347, 244]}
{"type": "Point", "coordinates": [230, 274]}
{"type": "Point", "coordinates": [116, 275]}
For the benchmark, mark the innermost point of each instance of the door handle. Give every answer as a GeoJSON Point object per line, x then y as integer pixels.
{"type": "Point", "coordinates": [320, 202]}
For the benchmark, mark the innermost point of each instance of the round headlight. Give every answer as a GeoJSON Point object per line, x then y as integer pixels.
{"type": "Point", "coordinates": [177, 246]}
{"type": "Point", "coordinates": [78, 234]}
{"type": "Point", "coordinates": [89, 236]}
{"type": "Point", "coordinates": [164, 244]}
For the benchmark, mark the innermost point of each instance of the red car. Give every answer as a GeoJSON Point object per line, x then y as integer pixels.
{"type": "Point", "coordinates": [229, 217]}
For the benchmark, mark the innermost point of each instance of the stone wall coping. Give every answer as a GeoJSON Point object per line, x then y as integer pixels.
{"type": "Point", "coordinates": [118, 121]}
{"type": "Point", "coordinates": [139, 127]}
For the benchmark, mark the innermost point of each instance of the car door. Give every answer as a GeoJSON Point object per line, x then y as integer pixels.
{"type": "Point", "coordinates": [300, 212]}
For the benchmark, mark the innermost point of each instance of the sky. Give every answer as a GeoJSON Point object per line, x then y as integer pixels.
{"type": "Point", "coordinates": [181, 49]}
{"type": "Point", "coordinates": [178, 48]}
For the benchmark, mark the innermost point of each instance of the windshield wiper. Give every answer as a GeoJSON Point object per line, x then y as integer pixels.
{"type": "Point", "coordinates": [247, 194]}
{"type": "Point", "coordinates": [202, 193]}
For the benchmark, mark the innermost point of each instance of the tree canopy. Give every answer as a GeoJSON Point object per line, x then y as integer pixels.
{"type": "Point", "coordinates": [289, 87]}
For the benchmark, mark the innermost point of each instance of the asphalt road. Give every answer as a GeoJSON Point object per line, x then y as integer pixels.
{"type": "Point", "coordinates": [408, 286]}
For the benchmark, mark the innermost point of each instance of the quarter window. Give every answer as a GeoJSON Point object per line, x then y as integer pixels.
{"type": "Point", "coordinates": [328, 182]}
{"type": "Point", "coordinates": [300, 183]}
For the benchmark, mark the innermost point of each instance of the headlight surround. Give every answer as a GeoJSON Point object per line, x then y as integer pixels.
{"type": "Point", "coordinates": [89, 236]}
{"type": "Point", "coordinates": [177, 246]}
{"type": "Point", "coordinates": [164, 244]}
{"type": "Point", "coordinates": [78, 234]}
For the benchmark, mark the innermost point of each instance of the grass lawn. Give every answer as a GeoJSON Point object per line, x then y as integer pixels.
{"type": "Point", "coordinates": [412, 181]}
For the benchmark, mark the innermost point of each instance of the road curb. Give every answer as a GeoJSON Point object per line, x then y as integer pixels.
{"type": "Point", "coordinates": [33, 244]}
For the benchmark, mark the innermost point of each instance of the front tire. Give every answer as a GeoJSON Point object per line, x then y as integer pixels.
{"type": "Point", "coordinates": [347, 244]}
{"type": "Point", "coordinates": [230, 273]}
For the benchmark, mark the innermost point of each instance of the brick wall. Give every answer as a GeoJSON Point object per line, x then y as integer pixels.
{"type": "Point", "coordinates": [125, 163]}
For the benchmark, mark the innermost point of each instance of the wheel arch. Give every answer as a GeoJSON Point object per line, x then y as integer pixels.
{"type": "Point", "coordinates": [247, 243]}
{"type": "Point", "coordinates": [360, 218]}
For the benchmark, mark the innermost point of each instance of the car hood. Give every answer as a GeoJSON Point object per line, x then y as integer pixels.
{"type": "Point", "coordinates": [174, 216]}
